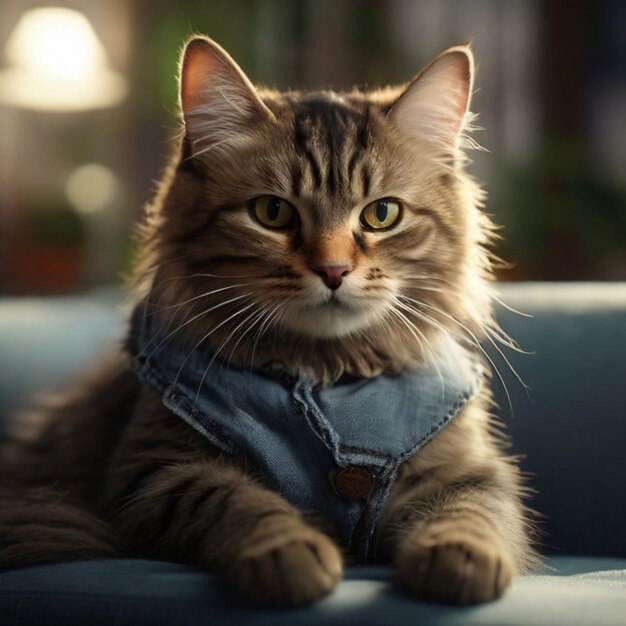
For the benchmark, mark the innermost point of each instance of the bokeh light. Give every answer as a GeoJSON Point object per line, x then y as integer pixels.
{"type": "Point", "coordinates": [91, 188]}
{"type": "Point", "coordinates": [56, 62]}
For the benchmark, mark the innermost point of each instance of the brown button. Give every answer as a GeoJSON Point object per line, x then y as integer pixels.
{"type": "Point", "coordinates": [353, 482]}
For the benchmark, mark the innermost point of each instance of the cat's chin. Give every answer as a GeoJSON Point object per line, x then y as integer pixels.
{"type": "Point", "coordinates": [329, 320]}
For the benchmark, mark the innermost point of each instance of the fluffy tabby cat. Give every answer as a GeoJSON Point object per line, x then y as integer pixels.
{"type": "Point", "coordinates": [330, 238]}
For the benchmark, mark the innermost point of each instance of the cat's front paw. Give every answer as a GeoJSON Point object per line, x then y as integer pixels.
{"type": "Point", "coordinates": [288, 571]}
{"type": "Point", "coordinates": [454, 565]}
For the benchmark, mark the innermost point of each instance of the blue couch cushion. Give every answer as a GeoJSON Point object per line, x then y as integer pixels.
{"type": "Point", "coordinates": [576, 592]}
{"type": "Point", "coordinates": [571, 428]}
{"type": "Point", "coordinates": [45, 341]}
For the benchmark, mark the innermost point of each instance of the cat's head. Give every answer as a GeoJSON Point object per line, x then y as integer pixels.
{"type": "Point", "coordinates": [341, 224]}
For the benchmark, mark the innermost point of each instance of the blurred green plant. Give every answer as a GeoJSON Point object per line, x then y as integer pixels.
{"type": "Point", "coordinates": [55, 224]}
{"type": "Point", "coordinates": [562, 220]}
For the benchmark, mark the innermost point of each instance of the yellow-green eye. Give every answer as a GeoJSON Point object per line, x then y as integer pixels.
{"type": "Point", "coordinates": [273, 212]}
{"type": "Point", "coordinates": [380, 214]}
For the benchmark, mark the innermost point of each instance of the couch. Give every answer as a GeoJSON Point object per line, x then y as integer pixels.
{"type": "Point", "coordinates": [570, 429]}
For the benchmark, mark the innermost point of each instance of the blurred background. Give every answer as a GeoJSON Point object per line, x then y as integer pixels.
{"type": "Point", "coordinates": [88, 108]}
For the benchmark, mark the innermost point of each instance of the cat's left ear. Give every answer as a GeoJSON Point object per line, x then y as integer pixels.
{"type": "Point", "coordinates": [434, 108]}
{"type": "Point", "coordinates": [218, 102]}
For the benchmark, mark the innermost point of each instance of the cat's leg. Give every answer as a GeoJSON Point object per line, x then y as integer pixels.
{"type": "Point", "coordinates": [454, 524]}
{"type": "Point", "coordinates": [171, 497]}
{"type": "Point", "coordinates": [453, 549]}
{"type": "Point", "coordinates": [211, 514]}
{"type": "Point", "coordinates": [38, 526]}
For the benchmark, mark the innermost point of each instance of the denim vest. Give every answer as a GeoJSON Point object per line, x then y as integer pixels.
{"type": "Point", "coordinates": [332, 451]}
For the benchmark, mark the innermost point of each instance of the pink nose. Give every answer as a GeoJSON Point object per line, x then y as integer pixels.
{"type": "Point", "coordinates": [332, 274]}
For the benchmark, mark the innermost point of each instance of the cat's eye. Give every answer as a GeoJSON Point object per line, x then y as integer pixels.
{"type": "Point", "coordinates": [381, 214]}
{"type": "Point", "coordinates": [273, 212]}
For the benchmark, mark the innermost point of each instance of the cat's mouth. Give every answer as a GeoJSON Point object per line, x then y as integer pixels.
{"type": "Point", "coordinates": [334, 302]}
{"type": "Point", "coordinates": [330, 313]}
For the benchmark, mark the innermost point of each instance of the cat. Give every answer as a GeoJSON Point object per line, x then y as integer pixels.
{"type": "Point", "coordinates": [302, 386]}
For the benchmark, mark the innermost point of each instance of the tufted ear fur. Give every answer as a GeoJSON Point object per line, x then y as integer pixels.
{"type": "Point", "coordinates": [217, 100]}
{"type": "Point", "coordinates": [434, 108]}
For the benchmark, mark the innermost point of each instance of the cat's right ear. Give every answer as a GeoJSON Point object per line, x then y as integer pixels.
{"type": "Point", "coordinates": [217, 100]}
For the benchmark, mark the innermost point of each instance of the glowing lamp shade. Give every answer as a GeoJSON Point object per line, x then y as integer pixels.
{"type": "Point", "coordinates": [55, 62]}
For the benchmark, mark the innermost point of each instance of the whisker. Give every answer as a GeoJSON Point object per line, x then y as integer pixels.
{"type": "Point", "coordinates": [381, 324]}
{"type": "Point", "coordinates": [195, 317]}
{"type": "Point", "coordinates": [252, 320]}
{"type": "Point", "coordinates": [413, 329]}
{"type": "Point", "coordinates": [494, 328]}
{"type": "Point", "coordinates": [206, 294]}
{"type": "Point", "coordinates": [501, 336]}
{"type": "Point", "coordinates": [202, 340]}
{"type": "Point", "coordinates": [281, 316]}
{"type": "Point", "coordinates": [429, 320]}
{"type": "Point", "coordinates": [435, 289]}
{"type": "Point", "coordinates": [452, 318]}
{"type": "Point", "coordinates": [428, 277]}
{"type": "Point", "coordinates": [206, 370]}
{"type": "Point", "coordinates": [246, 319]}
{"type": "Point", "coordinates": [206, 275]}
{"type": "Point", "coordinates": [261, 329]}
{"type": "Point", "coordinates": [508, 307]}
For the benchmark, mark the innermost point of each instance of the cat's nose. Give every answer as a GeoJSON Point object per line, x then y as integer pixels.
{"type": "Point", "coordinates": [332, 275]}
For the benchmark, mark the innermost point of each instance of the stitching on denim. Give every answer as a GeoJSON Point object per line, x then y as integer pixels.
{"type": "Point", "coordinates": [198, 420]}
{"type": "Point", "coordinates": [365, 451]}
{"type": "Point", "coordinates": [444, 421]}
{"type": "Point", "coordinates": [151, 373]}
{"type": "Point", "coordinates": [315, 419]}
